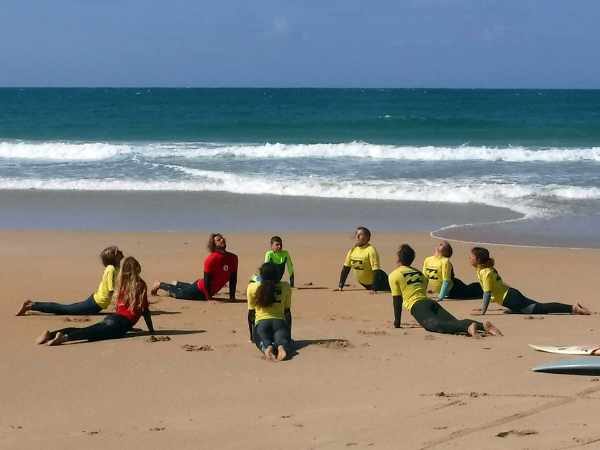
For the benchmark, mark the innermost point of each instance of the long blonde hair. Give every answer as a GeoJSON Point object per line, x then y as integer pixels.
{"type": "Point", "coordinates": [132, 288]}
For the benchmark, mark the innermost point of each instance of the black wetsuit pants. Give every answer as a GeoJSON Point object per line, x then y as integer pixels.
{"type": "Point", "coordinates": [518, 303]}
{"type": "Point", "coordinates": [380, 282]}
{"type": "Point", "coordinates": [433, 317]}
{"type": "Point", "coordinates": [183, 291]}
{"type": "Point", "coordinates": [274, 332]}
{"type": "Point", "coordinates": [112, 327]}
{"type": "Point", "coordinates": [462, 291]}
{"type": "Point", "coordinates": [88, 306]}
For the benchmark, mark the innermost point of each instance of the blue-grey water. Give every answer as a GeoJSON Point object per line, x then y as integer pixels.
{"type": "Point", "coordinates": [535, 152]}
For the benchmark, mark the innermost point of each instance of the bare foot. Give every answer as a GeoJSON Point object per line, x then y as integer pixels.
{"type": "Point", "coordinates": [281, 353]}
{"type": "Point", "coordinates": [59, 338]}
{"type": "Point", "coordinates": [472, 330]}
{"type": "Point", "coordinates": [26, 306]}
{"type": "Point", "coordinates": [155, 288]}
{"type": "Point", "coordinates": [43, 338]}
{"type": "Point", "coordinates": [269, 353]}
{"type": "Point", "coordinates": [490, 328]}
{"type": "Point", "coordinates": [596, 352]}
{"type": "Point", "coordinates": [578, 308]}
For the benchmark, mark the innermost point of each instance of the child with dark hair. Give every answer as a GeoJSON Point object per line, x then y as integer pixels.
{"type": "Point", "coordinates": [409, 291]}
{"type": "Point", "coordinates": [280, 258]}
{"type": "Point", "coordinates": [220, 268]}
{"type": "Point", "coordinates": [441, 280]}
{"type": "Point", "coordinates": [132, 303]}
{"type": "Point", "coordinates": [364, 260]}
{"type": "Point", "coordinates": [495, 290]}
{"type": "Point", "coordinates": [269, 314]}
{"type": "Point", "coordinates": [99, 300]}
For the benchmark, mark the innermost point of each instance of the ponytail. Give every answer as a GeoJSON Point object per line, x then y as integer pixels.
{"type": "Point", "coordinates": [482, 257]}
{"type": "Point", "coordinates": [267, 290]}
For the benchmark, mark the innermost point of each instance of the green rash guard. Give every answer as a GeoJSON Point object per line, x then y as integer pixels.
{"type": "Point", "coordinates": [281, 259]}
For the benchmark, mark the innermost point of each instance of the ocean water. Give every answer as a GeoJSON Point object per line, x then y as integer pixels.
{"type": "Point", "coordinates": [534, 152]}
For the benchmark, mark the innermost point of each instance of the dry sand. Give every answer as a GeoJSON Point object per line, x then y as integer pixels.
{"type": "Point", "coordinates": [356, 382]}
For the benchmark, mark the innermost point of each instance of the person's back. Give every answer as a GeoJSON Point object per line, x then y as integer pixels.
{"type": "Point", "coordinates": [438, 269]}
{"type": "Point", "coordinates": [276, 310]}
{"type": "Point", "coordinates": [410, 283]}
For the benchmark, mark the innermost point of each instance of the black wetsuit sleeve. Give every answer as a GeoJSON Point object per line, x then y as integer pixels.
{"type": "Point", "coordinates": [292, 280]}
{"type": "Point", "coordinates": [232, 285]}
{"type": "Point", "coordinates": [343, 275]}
{"type": "Point", "coordinates": [288, 319]}
{"type": "Point", "coordinates": [148, 319]}
{"type": "Point", "coordinates": [207, 279]}
{"type": "Point", "coordinates": [397, 310]}
{"type": "Point", "coordinates": [487, 296]}
{"type": "Point", "coordinates": [251, 318]}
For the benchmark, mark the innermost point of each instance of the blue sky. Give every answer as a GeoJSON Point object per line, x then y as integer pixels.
{"type": "Point", "coordinates": [336, 43]}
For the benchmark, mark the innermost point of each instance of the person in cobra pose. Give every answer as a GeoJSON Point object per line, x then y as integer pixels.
{"type": "Point", "coordinates": [280, 258]}
{"type": "Point", "coordinates": [496, 291]}
{"type": "Point", "coordinates": [439, 271]}
{"type": "Point", "coordinates": [132, 303]}
{"type": "Point", "coordinates": [111, 259]}
{"type": "Point", "coordinates": [220, 268]}
{"type": "Point", "coordinates": [409, 291]}
{"type": "Point", "coordinates": [364, 260]}
{"type": "Point", "coordinates": [269, 313]}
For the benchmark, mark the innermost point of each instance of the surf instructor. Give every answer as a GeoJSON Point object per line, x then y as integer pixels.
{"type": "Point", "coordinates": [220, 268]}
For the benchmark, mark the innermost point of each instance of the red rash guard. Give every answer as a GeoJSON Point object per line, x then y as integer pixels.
{"type": "Point", "coordinates": [220, 266]}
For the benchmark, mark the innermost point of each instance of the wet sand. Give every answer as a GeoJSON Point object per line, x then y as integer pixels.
{"type": "Point", "coordinates": [355, 382]}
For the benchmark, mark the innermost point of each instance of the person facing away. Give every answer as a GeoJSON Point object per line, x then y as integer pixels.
{"type": "Point", "coordinates": [280, 258]}
{"type": "Point", "coordinates": [111, 259]}
{"type": "Point", "coordinates": [132, 303]}
{"type": "Point", "coordinates": [220, 268]}
{"type": "Point", "coordinates": [496, 291]}
{"type": "Point", "coordinates": [363, 259]}
{"type": "Point", "coordinates": [441, 280]}
{"type": "Point", "coordinates": [408, 287]}
{"type": "Point", "coordinates": [269, 313]}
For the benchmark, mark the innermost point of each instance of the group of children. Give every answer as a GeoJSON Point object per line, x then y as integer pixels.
{"type": "Point", "coordinates": [269, 298]}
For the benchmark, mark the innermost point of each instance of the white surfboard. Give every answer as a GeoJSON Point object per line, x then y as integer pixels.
{"type": "Point", "coordinates": [568, 350]}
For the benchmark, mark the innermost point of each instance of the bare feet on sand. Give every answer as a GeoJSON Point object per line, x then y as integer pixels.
{"type": "Point", "coordinates": [472, 330]}
{"type": "Point", "coordinates": [155, 288]}
{"type": "Point", "coordinates": [26, 306]}
{"type": "Point", "coordinates": [59, 338]}
{"type": "Point", "coordinates": [281, 353]}
{"type": "Point", "coordinates": [43, 338]}
{"type": "Point", "coordinates": [578, 308]}
{"type": "Point", "coordinates": [490, 328]}
{"type": "Point", "coordinates": [269, 353]}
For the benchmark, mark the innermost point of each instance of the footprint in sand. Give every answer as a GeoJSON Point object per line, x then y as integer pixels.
{"type": "Point", "coordinates": [372, 332]}
{"type": "Point", "coordinates": [197, 348]}
{"type": "Point", "coordinates": [503, 434]}
{"type": "Point", "coordinates": [157, 429]}
{"type": "Point", "coordinates": [336, 344]}
{"type": "Point", "coordinates": [91, 433]}
{"type": "Point", "coordinates": [152, 339]}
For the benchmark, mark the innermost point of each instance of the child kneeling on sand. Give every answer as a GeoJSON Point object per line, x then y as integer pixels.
{"type": "Point", "coordinates": [409, 291]}
{"type": "Point", "coordinates": [269, 315]}
{"type": "Point", "coordinates": [132, 303]}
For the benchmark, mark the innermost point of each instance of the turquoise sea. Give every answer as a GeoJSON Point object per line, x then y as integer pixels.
{"type": "Point", "coordinates": [535, 152]}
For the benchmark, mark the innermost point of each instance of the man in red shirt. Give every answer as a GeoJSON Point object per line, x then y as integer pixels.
{"type": "Point", "coordinates": [220, 268]}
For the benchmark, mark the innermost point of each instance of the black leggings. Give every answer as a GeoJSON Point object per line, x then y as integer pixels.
{"type": "Point", "coordinates": [462, 291]}
{"type": "Point", "coordinates": [519, 304]}
{"type": "Point", "coordinates": [183, 291]}
{"type": "Point", "coordinates": [273, 332]}
{"type": "Point", "coordinates": [380, 282]}
{"type": "Point", "coordinates": [88, 306]}
{"type": "Point", "coordinates": [112, 327]}
{"type": "Point", "coordinates": [433, 317]}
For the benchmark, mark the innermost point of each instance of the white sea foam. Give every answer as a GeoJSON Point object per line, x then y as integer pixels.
{"type": "Point", "coordinates": [73, 151]}
{"type": "Point", "coordinates": [62, 151]}
{"type": "Point", "coordinates": [529, 199]}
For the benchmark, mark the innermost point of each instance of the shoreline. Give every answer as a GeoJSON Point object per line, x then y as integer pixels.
{"type": "Point", "coordinates": [158, 211]}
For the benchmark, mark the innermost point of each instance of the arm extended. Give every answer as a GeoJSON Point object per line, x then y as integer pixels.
{"type": "Point", "coordinates": [343, 276]}
{"type": "Point", "coordinates": [397, 310]}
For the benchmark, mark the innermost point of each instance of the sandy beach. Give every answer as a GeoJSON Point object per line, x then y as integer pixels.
{"type": "Point", "coordinates": [355, 382]}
